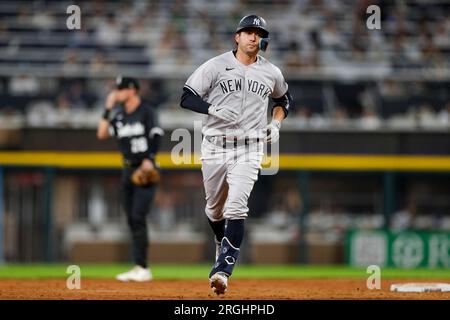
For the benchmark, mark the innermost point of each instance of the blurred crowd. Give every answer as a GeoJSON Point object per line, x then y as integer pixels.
{"type": "Point", "coordinates": [304, 33]}
{"type": "Point", "coordinates": [340, 72]}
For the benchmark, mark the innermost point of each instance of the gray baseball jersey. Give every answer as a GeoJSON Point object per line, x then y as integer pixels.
{"type": "Point", "coordinates": [224, 80]}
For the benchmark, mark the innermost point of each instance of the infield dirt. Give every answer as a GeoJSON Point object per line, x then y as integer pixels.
{"type": "Point", "coordinates": [92, 289]}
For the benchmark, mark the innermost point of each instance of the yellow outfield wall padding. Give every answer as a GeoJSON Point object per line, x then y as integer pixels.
{"type": "Point", "coordinates": [192, 161]}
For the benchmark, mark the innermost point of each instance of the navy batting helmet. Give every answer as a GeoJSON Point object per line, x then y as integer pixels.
{"type": "Point", "coordinates": [254, 21]}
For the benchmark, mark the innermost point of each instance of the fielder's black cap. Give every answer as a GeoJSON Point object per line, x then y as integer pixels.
{"type": "Point", "coordinates": [127, 83]}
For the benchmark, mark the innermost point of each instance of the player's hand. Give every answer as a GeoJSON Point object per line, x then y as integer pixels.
{"type": "Point", "coordinates": [273, 131]}
{"type": "Point", "coordinates": [111, 99]}
{"type": "Point", "coordinates": [224, 112]}
{"type": "Point", "coordinates": [147, 165]}
{"type": "Point", "coordinates": [146, 175]}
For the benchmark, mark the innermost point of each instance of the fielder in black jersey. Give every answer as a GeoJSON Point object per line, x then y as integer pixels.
{"type": "Point", "coordinates": [135, 127]}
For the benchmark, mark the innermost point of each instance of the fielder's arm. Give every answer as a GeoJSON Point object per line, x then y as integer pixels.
{"type": "Point", "coordinates": [103, 125]}
{"type": "Point", "coordinates": [103, 129]}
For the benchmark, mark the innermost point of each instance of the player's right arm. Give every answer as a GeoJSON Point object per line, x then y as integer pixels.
{"type": "Point", "coordinates": [197, 86]}
{"type": "Point", "coordinates": [104, 125]}
{"type": "Point", "coordinates": [192, 101]}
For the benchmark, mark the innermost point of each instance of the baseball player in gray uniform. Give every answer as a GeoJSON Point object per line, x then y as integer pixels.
{"type": "Point", "coordinates": [233, 89]}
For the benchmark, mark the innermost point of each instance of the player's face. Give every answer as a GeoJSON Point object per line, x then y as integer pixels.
{"type": "Point", "coordinates": [123, 95]}
{"type": "Point", "coordinates": [248, 40]}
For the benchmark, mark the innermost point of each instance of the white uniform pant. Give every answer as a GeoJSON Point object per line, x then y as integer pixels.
{"type": "Point", "coordinates": [229, 175]}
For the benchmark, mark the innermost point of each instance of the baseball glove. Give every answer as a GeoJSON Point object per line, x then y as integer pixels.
{"type": "Point", "coordinates": [145, 178]}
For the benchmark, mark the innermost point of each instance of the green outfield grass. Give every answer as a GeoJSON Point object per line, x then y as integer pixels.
{"type": "Point", "coordinates": [164, 271]}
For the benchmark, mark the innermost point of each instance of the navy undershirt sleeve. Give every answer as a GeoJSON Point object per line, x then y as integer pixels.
{"type": "Point", "coordinates": [190, 100]}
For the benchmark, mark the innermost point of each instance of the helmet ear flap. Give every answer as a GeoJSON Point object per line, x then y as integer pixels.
{"type": "Point", "coordinates": [263, 44]}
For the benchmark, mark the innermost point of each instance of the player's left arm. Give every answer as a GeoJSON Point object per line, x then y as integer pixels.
{"type": "Point", "coordinates": [282, 102]}
{"type": "Point", "coordinates": [280, 109]}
